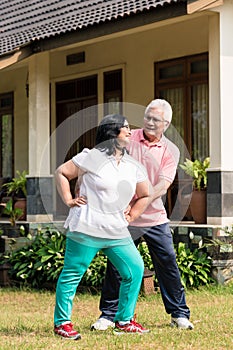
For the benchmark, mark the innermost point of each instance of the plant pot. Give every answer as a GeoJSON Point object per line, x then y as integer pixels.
{"type": "Point", "coordinates": [4, 277]}
{"type": "Point", "coordinates": [11, 231]}
{"type": "Point", "coordinates": [21, 203]}
{"type": "Point", "coordinates": [148, 282]}
{"type": "Point", "coordinates": [198, 206]}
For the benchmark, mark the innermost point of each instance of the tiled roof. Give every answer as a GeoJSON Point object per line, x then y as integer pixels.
{"type": "Point", "coordinates": [23, 21]}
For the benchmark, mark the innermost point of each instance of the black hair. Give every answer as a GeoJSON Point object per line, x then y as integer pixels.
{"type": "Point", "coordinates": [107, 132]}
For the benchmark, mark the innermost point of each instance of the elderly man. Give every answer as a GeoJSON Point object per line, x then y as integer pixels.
{"type": "Point", "coordinates": [160, 157]}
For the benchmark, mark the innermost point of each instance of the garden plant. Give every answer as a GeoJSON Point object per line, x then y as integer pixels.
{"type": "Point", "coordinates": [39, 264]}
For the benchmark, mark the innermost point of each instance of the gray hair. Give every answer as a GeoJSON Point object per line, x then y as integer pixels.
{"type": "Point", "coordinates": [161, 104]}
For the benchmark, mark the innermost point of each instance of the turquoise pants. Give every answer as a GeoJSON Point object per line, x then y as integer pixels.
{"type": "Point", "coordinates": [78, 257]}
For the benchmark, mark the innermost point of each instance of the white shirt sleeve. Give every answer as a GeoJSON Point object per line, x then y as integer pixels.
{"type": "Point", "coordinates": [79, 159]}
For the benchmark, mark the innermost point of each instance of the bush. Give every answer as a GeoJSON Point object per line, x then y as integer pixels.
{"type": "Point", "coordinates": [144, 251]}
{"type": "Point", "coordinates": [40, 264]}
{"type": "Point", "coordinates": [95, 273]}
{"type": "Point", "coordinates": [195, 267]}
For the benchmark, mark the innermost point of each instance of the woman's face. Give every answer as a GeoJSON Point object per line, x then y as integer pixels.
{"type": "Point", "coordinates": [124, 136]}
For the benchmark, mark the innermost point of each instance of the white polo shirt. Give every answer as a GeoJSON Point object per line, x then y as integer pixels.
{"type": "Point", "coordinates": [109, 187]}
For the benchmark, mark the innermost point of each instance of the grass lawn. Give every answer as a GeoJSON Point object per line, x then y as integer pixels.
{"type": "Point", "coordinates": [26, 322]}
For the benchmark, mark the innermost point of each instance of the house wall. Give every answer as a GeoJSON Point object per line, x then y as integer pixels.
{"type": "Point", "coordinates": [136, 53]}
{"type": "Point", "coordinates": [14, 80]}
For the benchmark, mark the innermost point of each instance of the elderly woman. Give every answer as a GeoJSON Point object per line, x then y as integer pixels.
{"type": "Point", "coordinates": [108, 179]}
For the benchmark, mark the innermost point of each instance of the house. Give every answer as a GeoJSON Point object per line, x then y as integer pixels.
{"type": "Point", "coordinates": [64, 64]}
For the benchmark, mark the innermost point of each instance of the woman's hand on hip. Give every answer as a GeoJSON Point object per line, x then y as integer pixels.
{"type": "Point", "coordinates": [78, 201]}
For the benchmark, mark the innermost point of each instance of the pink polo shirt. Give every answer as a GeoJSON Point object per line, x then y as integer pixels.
{"type": "Point", "coordinates": [160, 160]}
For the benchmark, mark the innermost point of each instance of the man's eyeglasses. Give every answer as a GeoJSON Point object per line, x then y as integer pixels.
{"type": "Point", "coordinates": [154, 120]}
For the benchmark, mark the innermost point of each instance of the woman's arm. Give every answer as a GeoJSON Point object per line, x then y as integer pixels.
{"type": "Point", "coordinates": [142, 201]}
{"type": "Point", "coordinates": [63, 174]}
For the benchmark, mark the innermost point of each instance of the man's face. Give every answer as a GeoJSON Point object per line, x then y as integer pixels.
{"type": "Point", "coordinates": [154, 123]}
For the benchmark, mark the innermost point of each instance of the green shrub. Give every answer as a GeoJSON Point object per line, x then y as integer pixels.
{"type": "Point", "coordinates": [95, 273]}
{"type": "Point", "coordinates": [40, 264]}
{"type": "Point", "coordinates": [195, 267]}
{"type": "Point", "coordinates": [144, 251]}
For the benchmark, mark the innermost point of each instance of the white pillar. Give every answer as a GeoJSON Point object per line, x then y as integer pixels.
{"type": "Point", "coordinates": [39, 180]}
{"type": "Point", "coordinates": [220, 175]}
{"type": "Point", "coordinates": [226, 85]}
{"type": "Point", "coordinates": [39, 115]}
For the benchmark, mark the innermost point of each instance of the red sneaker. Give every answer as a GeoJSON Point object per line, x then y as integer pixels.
{"type": "Point", "coordinates": [66, 330]}
{"type": "Point", "coordinates": [136, 324]}
{"type": "Point", "coordinates": [131, 327]}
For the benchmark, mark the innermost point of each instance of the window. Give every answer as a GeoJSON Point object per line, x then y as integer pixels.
{"type": "Point", "coordinates": [113, 92]}
{"type": "Point", "coordinates": [184, 83]}
{"type": "Point", "coordinates": [6, 135]}
{"type": "Point", "coordinates": [75, 98]}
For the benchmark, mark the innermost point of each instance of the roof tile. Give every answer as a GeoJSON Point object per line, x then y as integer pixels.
{"type": "Point", "coordinates": [22, 21]}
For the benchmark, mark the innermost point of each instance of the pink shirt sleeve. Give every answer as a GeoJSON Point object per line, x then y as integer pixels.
{"type": "Point", "coordinates": [169, 161]}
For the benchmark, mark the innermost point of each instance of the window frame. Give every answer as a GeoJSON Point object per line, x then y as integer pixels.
{"type": "Point", "coordinates": [110, 93]}
{"type": "Point", "coordinates": [186, 81]}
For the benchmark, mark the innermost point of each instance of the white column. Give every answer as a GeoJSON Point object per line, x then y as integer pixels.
{"type": "Point", "coordinates": [220, 175]}
{"type": "Point", "coordinates": [226, 84]}
{"type": "Point", "coordinates": [39, 180]}
{"type": "Point", "coordinates": [39, 116]}
{"type": "Point", "coordinates": [214, 93]}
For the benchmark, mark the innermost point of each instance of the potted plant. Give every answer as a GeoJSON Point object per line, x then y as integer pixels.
{"type": "Point", "coordinates": [14, 215]}
{"type": "Point", "coordinates": [197, 170]}
{"type": "Point", "coordinates": [17, 186]}
{"type": "Point", "coordinates": [17, 189]}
